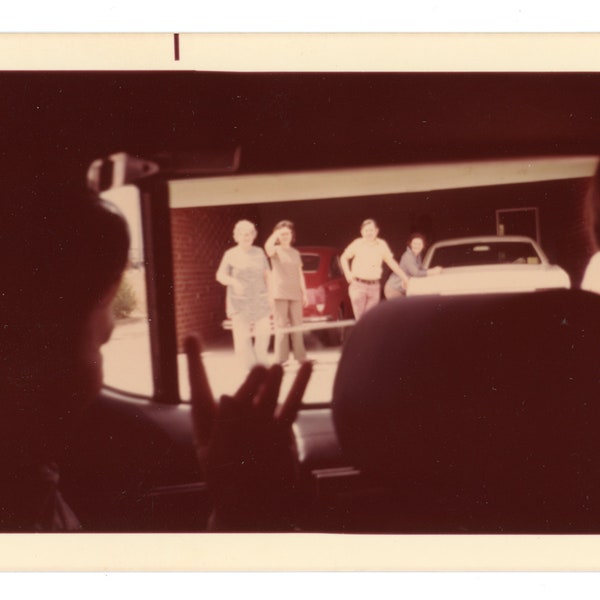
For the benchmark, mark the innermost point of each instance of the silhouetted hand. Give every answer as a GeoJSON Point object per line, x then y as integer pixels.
{"type": "Point", "coordinates": [246, 445]}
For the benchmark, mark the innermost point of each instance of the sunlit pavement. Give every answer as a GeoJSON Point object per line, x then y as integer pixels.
{"type": "Point", "coordinates": [127, 366]}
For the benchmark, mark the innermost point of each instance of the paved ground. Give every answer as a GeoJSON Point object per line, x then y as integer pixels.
{"type": "Point", "coordinates": [127, 365]}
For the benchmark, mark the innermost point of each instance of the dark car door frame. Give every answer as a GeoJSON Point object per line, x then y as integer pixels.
{"type": "Point", "coordinates": [156, 228]}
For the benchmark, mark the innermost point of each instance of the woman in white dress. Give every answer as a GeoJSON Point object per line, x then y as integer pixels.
{"type": "Point", "coordinates": [244, 270]}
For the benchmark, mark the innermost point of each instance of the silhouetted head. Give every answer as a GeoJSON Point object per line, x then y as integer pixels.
{"type": "Point", "coordinates": [63, 253]}
{"type": "Point", "coordinates": [481, 412]}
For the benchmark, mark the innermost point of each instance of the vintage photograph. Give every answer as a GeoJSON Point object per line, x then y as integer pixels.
{"type": "Point", "coordinates": [311, 301]}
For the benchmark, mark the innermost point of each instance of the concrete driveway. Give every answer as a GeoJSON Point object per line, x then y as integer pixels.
{"type": "Point", "coordinates": [127, 365]}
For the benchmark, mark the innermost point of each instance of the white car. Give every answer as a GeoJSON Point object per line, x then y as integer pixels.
{"type": "Point", "coordinates": [488, 264]}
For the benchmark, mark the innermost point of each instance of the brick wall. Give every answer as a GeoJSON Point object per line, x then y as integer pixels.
{"type": "Point", "coordinates": [200, 237]}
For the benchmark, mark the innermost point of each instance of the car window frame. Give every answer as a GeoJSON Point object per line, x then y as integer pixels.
{"type": "Point", "coordinates": [158, 258]}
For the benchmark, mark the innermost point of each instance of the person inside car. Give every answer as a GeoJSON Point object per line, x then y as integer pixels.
{"type": "Point", "coordinates": [246, 445]}
{"type": "Point", "coordinates": [412, 264]}
{"type": "Point", "coordinates": [367, 254]}
{"type": "Point", "coordinates": [64, 251]}
{"type": "Point", "coordinates": [287, 290]}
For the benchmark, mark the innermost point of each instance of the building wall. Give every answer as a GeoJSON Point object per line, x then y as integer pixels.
{"type": "Point", "coordinates": [201, 235]}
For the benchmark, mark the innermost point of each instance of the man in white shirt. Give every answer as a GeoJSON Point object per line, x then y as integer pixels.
{"type": "Point", "coordinates": [367, 254]}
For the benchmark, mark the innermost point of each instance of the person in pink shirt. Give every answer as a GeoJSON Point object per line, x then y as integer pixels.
{"type": "Point", "coordinates": [287, 291]}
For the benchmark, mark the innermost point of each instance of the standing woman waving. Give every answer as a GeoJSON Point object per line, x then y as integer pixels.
{"type": "Point", "coordinates": [288, 291]}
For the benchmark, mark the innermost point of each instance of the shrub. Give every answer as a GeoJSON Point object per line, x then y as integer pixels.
{"type": "Point", "coordinates": [125, 301]}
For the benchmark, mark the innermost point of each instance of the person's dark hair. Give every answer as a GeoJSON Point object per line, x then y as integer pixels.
{"type": "Point", "coordinates": [283, 224]}
{"type": "Point", "coordinates": [415, 235]}
{"type": "Point", "coordinates": [62, 249]}
{"type": "Point", "coordinates": [368, 222]}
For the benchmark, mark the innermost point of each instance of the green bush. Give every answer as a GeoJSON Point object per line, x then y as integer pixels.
{"type": "Point", "coordinates": [125, 301]}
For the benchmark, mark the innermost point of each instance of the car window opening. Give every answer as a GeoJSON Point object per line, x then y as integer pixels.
{"type": "Point", "coordinates": [203, 211]}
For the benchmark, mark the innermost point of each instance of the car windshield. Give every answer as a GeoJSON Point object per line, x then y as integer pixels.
{"type": "Point", "coordinates": [485, 253]}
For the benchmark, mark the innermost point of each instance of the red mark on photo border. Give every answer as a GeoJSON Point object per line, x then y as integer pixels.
{"type": "Point", "coordinates": [176, 45]}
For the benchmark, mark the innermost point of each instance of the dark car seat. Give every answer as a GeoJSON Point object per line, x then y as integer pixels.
{"type": "Point", "coordinates": [478, 413]}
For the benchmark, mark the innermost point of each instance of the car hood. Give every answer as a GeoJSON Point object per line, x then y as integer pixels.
{"type": "Point", "coordinates": [489, 279]}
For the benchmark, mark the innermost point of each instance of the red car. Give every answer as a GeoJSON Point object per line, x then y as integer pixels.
{"type": "Point", "coordinates": [327, 290]}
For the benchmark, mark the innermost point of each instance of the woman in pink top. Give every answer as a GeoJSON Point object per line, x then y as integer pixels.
{"type": "Point", "coordinates": [367, 254]}
{"type": "Point", "coordinates": [287, 291]}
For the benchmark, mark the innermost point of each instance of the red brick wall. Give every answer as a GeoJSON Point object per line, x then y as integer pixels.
{"type": "Point", "coordinates": [200, 237]}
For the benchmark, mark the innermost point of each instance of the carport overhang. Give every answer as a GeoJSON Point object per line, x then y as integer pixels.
{"type": "Point", "coordinates": [372, 181]}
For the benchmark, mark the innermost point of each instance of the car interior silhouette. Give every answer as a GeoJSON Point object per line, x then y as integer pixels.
{"type": "Point", "coordinates": [428, 415]}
